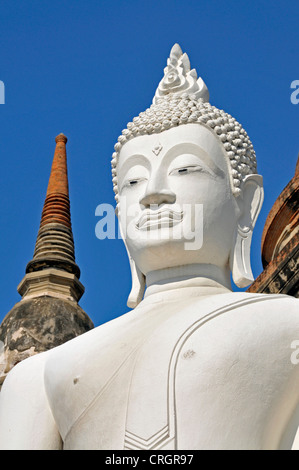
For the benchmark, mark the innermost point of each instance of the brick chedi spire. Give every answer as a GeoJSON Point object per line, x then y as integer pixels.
{"type": "Point", "coordinates": [57, 204]}
{"type": "Point", "coordinates": [55, 246]}
{"type": "Point", "coordinates": [48, 314]}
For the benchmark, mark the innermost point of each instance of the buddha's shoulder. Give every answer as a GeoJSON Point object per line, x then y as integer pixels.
{"type": "Point", "coordinates": [237, 300]}
{"type": "Point", "coordinates": [37, 367]}
{"type": "Point", "coordinates": [269, 303]}
{"type": "Point", "coordinates": [266, 309]}
{"type": "Point", "coordinates": [263, 302]}
{"type": "Point", "coordinates": [246, 321]}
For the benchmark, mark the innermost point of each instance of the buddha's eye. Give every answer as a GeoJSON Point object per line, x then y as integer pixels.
{"type": "Point", "coordinates": [131, 183]}
{"type": "Point", "coordinates": [186, 170]}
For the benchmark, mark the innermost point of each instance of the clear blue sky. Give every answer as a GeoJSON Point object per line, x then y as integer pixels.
{"type": "Point", "coordinates": [86, 68]}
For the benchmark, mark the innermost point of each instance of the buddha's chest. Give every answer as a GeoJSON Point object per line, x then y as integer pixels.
{"type": "Point", "coordinates": [178, 394]}
{"type": "Point", "coordinates": [184, 387]}
{"type": "Point", "coordinates": [133, 407]}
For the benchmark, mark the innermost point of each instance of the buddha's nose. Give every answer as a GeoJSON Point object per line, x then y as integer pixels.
{"type": "Point", "coordinates": [158, 197]}
{"type": "Point", "coordinates": [157, 193]}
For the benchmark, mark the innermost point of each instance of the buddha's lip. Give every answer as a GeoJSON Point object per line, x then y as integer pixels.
{"type": "Point", "coordinates": [158, 219]}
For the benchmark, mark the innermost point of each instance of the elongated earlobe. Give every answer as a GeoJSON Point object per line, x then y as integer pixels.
{"type": "Point", "coordinates": [240, 259]}
{"type": "Point", "coordinates": [138, 279]}
{"type": "Point", "coordinates": [251, 203]}
{"type": "Point", "coordinates": [138, 285]}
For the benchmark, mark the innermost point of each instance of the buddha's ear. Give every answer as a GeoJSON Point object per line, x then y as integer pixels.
{"type": "Point", "coordinates": [138, 285]}
{"type": "Point", "coordinates": [138, 279]}
{"type": "Point", "coordinates": [250, 202]}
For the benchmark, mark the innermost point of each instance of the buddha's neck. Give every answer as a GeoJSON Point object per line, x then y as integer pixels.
{"type": "Point", "coordinates": [202, 279]}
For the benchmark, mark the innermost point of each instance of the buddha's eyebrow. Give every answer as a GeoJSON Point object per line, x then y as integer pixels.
{"type": "Point", "coordinates": [188, 147]}
{"type": "Point", "coordinates": [129, 162]}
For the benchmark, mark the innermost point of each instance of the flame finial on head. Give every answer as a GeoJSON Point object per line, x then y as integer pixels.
{"type": "Point", "coordinates": [179, 78]}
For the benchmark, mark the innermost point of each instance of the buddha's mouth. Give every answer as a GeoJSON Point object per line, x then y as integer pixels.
{"type": "Point", "coordinates": [161, 218]}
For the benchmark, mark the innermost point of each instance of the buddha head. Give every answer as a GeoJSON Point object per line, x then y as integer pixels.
{"type": "Point", "coordinates": [184, 170]}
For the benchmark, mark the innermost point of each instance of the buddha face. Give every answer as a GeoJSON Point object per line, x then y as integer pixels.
{"type": "Point", "coordinates": [175, 201]}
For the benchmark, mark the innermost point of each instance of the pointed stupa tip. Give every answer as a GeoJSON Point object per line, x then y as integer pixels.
{"type": "Point", "coordinates": [58, 181]}
{"type": "Point", "coordinates": [61, 138]}
{"type": "Point", "coordinates": [57, 205]}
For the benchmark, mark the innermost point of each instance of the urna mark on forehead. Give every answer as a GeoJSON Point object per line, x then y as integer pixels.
{"type": "Point", "coordinates": [182, 98]}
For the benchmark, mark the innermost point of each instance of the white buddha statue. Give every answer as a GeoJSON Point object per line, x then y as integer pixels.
{"type": "Point", "coordinates": [193, 365]}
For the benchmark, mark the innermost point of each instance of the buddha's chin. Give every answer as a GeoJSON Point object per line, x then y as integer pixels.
{"type": "Point", "coordinates": [159, 232]}
{"type": "Point", "coordinates": [157, 236]}
{"type": "Point", "coordinates": [159, 253]}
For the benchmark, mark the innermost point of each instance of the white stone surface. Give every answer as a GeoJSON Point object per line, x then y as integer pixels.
{"type": "Point", "coordinates": [194, 365]}
{"type": "Point", "coordinates": [179, 78]}
{"type": "Point", "coordinates": [191, 169]}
